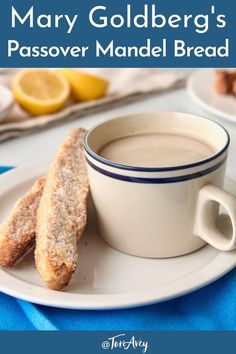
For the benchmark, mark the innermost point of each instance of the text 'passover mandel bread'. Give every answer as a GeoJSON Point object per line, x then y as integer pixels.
{"type": "Point", "coordinates": [17, 233]}
{"type": "Point", "coordinates": [62, 213]}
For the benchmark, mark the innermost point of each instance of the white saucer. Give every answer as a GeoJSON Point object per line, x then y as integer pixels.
{"type": "Point", "coordinates": [106, 278]}
{"type": "Point", "coordinates": [201, 89]}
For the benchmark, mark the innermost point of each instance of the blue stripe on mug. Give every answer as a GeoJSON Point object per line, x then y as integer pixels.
{"type": "Point", "coordinates": [163, 180]}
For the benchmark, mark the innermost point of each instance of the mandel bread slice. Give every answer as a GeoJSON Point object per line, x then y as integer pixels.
{"type": "Point", "coordinates": [62, 213]}
{"type": "Point", "coordinates": [17, 233]}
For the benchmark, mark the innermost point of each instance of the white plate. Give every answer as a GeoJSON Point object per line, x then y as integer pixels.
{"type": "Point", "coordinates": [201, 89]}
{"type": "Point", "coordinates": [106, 278]}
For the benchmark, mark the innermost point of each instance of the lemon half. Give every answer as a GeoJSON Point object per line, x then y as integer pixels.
{"type": "Point", "coordinates": [84, 86]}
{"type": "Point", "coordinates": [40, 91]}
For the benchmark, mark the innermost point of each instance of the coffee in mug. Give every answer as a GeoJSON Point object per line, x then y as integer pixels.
{"type": "Point", "coordinates": [156, 149]}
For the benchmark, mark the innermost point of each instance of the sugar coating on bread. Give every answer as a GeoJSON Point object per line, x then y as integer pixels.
{"type": "Point", "coordinates": [62, 213]}
{"type": "Point", "coordinates": [17, 233]}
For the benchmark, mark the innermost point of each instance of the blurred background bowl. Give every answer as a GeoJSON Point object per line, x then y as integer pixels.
{"type": "Point", "coordinates": [6, 101]}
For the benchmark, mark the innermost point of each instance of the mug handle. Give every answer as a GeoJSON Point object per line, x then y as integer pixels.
{"type": "Point", "coordinates": [205, 226]}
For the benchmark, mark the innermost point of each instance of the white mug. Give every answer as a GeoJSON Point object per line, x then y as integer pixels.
{"type": "Point", "coordinates": [163, 211]}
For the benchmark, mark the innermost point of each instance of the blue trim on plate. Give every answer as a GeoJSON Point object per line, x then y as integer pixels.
{"type": "Point", "coordinates": [165, 180]}
{"type": "Point", "coordinates": [155, 169]}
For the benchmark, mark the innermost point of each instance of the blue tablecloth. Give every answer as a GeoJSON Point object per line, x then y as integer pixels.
{"type": "Point", "coordinates": [211, 308]}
